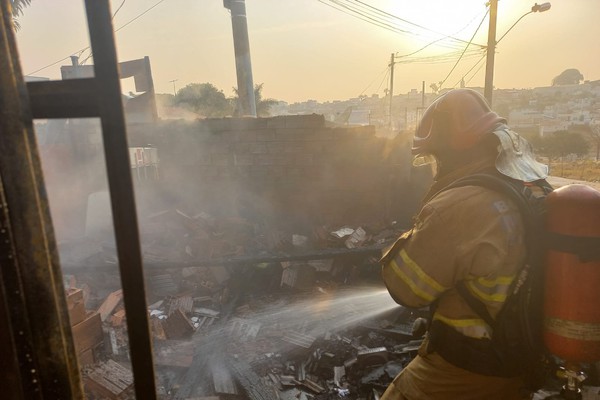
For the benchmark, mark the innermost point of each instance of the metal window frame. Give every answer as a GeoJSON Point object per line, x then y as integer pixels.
{"type": "Point", "coordinates": [31, 288]}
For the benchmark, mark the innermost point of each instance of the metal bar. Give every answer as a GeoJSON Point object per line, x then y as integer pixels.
{"type": "Point", "coordinates": [37, 304]}
{"type": "Point", "coordinates": [252, 259]}
{"type": "Point", "coordinates": [12, 318]}
{"type": "Point", "coordinates": [73, 98]}
{"type": "Point", "coordinates": [122, 196]}
{"type": "Point", "coordinates": [488, 90]}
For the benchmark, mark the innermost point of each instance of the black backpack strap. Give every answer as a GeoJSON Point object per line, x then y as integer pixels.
{"type": "Point", "coordinates": [530, 207]}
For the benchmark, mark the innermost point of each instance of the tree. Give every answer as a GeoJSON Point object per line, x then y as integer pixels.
{"type": "Point", "coordinates": [563, 143]}
{"type": "Point", "coordinates": [595, 136]}
{"type": "Point", "coordinates": [204, 99]}
{"type": "Point", "coordinates": [570, 76]}
{"type": "Point", "coordinates": [17, 7]}
{"type": "Point", "coordinates": [263, 106]}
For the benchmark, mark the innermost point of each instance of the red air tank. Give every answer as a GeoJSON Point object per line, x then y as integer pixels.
{"type": "Point", "coordinates": [572, 281]}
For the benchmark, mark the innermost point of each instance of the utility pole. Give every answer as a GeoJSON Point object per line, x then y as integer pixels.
{"type": "Point", "coordinates": [173, 82]}
{"type": "Point", "coordinates": [243, 65]}
{"type": "Point", "coordinates": [391, 86]}
{"type": "Point", "coordinates": [491, 50]}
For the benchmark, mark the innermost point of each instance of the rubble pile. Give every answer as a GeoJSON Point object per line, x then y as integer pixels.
{"type": "Point", "coordinates": [172, 237]}
{"type": "Point", "coordinates": [242, 310]}
{"type": "Point", "coordinates": [273, 346]}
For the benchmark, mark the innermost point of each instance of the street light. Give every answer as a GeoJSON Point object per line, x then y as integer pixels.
{"type": "Point", "coordinates": [491, 47]}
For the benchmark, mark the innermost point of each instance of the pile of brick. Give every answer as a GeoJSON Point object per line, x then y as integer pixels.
{"type": "Point", "coordinates": [86, 327]}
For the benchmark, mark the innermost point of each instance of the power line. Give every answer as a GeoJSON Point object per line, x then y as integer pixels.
{"type": "Point", "coordinates": [476, 71]}
{"type": "Point", "coordinates": [118, 9]}
{"type": "Point", "coordinates": [387, 73]}
{"type": "Point", "coordinates": [364, 17]}
{"type": "Point", "coordinates": [442, 58]}
{"type": "Point", "coordinates": [138, 16]}
{"type": "Point", "coordinates": [367, 88]}
{"type": "Point", "coordinates": [112, 19]}
{"type": "Point", "coordinates": [87, 47]}
{"type": "Point", "coordinates": [408, 22]}
{"type": "Point", "coordinates": [437, 40]}
{"type": "Point", "coordinates": [461, 56]}
{"type": "Point", "coordinates": [370, 17]}
{"type": "Point", "coordinates": [470, 69]}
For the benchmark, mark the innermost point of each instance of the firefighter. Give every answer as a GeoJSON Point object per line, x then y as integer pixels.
{"type": "Point", "coordinates": [469, 234]}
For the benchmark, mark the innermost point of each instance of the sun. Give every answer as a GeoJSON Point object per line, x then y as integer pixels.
{"type": "Point", "coordinates": [434, 19]}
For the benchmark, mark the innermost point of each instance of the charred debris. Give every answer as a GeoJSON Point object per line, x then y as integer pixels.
{"type": "Point", "coordinates": [239, 310]}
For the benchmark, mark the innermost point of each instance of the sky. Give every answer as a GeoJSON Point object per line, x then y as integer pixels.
{"type": "Point", "coordinates": [314, 49]}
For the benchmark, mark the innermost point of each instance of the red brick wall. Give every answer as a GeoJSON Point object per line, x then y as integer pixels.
{"type": "Point", "coordinates": [292, 170]}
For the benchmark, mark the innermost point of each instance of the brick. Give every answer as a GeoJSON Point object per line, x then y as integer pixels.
{"type": "Point", "coordinates": [277, 173]}
{"type": "Point", "coordinates": [247, 123]}
{"type": "Point", "coordinates": [265, 136]}
{"type": "Point", "coordinates": [295, 134]}
{"type": "Point", "coordinates": [315, 146]}
{"type": "Point", "coordinates": [86, 358]}
{"type": "Point", "coordinates": [226, 172]}
{"type": "Point", "coordinates": [303, 159]}
{"type": "Point", "coordinates": [241, 172]}
{"type": "Point", "coordinates": [178, 326]}
{"type": "Point", "coordinates": [276, 122]}
{"type": "Point", "coordinates": [221, 159]}
{"type": "Point", "coordinates": [371, 357]}
{"type": "Point", "coordinates": [118, 318]}
{"type": "Point", "coordinates": [324, 134]}
{"type": "Point", "coordinates": [208, 171]}
{"type": "Point", "coordinates": [214, 124]}
{"type": "Point", "coordinates": [241, 148]}
{"type": "Point", "coordinates": [258, 148]}
{"type": "Point", "coordinates": [276, 147]}
{"type": "Point", "coordinates": [110, 303]}
{"type": "Point", "coordinates": [88, 333]}
{"type": "Point", "coordinates": [243, 159]}
{"type": "Point", "coordinates": [259, 171]}
{"type": "Point", "coordinates": [76, 305]}
{"type": "Point", "coordinates": [203, 159]}
{"type": "Point", "coordinates": [305, 121]}
{"type": "Point", "coordinates": [272, 159]}
{"type": "Point", "coordinates": [243, 136]}
{"type": "Point", "coordinates": [219, 148]}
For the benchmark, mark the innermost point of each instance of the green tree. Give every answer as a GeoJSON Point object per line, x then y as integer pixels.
{"type": "Point", "coordinates": [263, 106]}
{"type": "Point", "coordinates": [17, 7]}
{"type": "Point", "coordinates": [570, 76]}
{"type": "Point", "coordinates": [204, 99]}
{"type": "Point", "coordinates": [563, 143]}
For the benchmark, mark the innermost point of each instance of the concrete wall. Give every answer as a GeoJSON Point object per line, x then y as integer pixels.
{"type": "Point", "coordinates": [289, 170]}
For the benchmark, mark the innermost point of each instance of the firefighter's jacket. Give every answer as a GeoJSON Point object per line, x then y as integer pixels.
{"type": "Point", "coordinates": [467, 233]}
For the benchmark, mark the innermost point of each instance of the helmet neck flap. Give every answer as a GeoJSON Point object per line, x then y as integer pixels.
{"type": "Point", "coordinates": [459, 129]}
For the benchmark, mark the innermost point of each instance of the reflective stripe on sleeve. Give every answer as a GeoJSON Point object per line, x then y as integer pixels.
{"type": "Point", "coordinates": [490, 290]}
{"type": "Point", "coordinates": [421, 284]}
{"type": "Point", "coordinates": [472, 327]}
